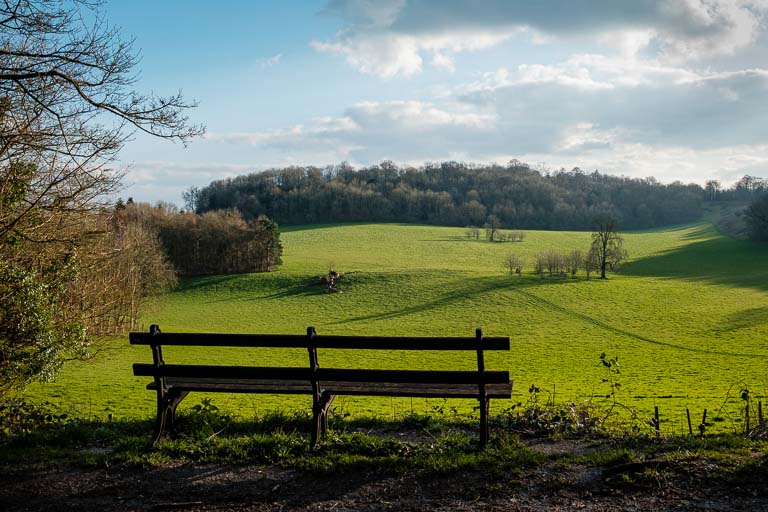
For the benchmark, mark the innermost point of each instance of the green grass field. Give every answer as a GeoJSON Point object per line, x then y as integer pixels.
{"type": "Point", "coordinates": [688, 319]}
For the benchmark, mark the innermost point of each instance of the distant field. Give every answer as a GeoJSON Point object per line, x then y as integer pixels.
{"type": "Point", "coordinates": [688, 318]}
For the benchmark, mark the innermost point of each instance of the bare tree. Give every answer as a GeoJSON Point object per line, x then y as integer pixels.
{"type": "Point", "coordinates": [607, 245]}
{"type": "Point", "coordinates": [492, 226]}
{"type": "Point", "coordinates": [712, 188]}
{"type": "Point", "coordinates": [574, 261]}
{"type": "Point", "coordinates": [591, 263]}
{"type": "Point", "coordinates": [513, 263]}
{"type": "Point", "coordinates": [67, 106]}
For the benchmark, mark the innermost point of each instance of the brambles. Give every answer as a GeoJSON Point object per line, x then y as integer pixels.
{"type": "Point", "coordinates": [19, 416]}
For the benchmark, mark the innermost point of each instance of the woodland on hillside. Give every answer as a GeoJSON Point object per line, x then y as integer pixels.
{"type": "Point", "coordinates": [451, 193]}
{"type": "Point", "coordinates": [459, 194]}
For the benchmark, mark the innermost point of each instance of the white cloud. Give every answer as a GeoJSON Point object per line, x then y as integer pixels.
{"type": "Point", "coordinates": [379, 53]}
{"type": "Point", "coordinates": [416, 116]}
{"type": "Point", "coordinates": [623, 116]}
{"type": "Point", "coordinates": [585, 138]}
{"type": "Point", "coordinates": [158, 172]}
{"type": "Point", "coordinates": [387, 54]}
{"type": "Point", "coordinates": [321, 128]}
{"type": "Point", "coordinates": [393, 38]}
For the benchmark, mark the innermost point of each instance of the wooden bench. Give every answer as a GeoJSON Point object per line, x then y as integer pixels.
{"type": "Point", "coordinates": [173, 382]}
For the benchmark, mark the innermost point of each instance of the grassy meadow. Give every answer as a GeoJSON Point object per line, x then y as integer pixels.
{"type": "Point", "coordinates": [688, 319]}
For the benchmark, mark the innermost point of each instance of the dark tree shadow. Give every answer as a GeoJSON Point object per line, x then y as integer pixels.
{"type": "Point", "coordinates": [466, 289]}
{"type": "Point", "coordinates": [745, 319]}
{"type": "Point", "coordinates": [719, 261]}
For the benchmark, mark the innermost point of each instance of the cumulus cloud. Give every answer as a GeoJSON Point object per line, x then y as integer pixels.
{"type": "Point", "coordinates": [371, 131]}
{"type": "Point", "coordinates": [607, 114]}
{"type": "Point", "coordinates": [646, 100]}
{"type": "Point", "coordinates": [160, 172]}
{"type": "Point", "coordinates": [161, 180]}
{"type": "Point", "coordinates": [646, 106]}
{"type": "Point", "coordinates": [386, 53]}
{"type": "Point", "coordinates": [395, 38]}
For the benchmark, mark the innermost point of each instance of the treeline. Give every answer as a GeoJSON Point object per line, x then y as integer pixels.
{"type": "Point", "coordinates": [451, 193]}
{"type": "Point", "coordinates": [757, 219]}
{"type": "Point", "coordinates": [217, 242]}
{"type": "Point", "coordinates": [748, 188]}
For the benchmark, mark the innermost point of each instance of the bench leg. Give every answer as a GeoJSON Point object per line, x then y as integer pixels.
{"type": "Point", "coordinates": [316, 426]}
{"type": "Point", "coordinates": [166, 412]}
{"type": "Point", "coordinates": [162, 418]}
{"type": "Point", "coordinates": [484, 409]}
{"type": "Point", "coordinates": [174, 399]}
{"type": "Point", "coordinates": [326, 407]}
{"type": "Point", "coordinates": [320, 418]}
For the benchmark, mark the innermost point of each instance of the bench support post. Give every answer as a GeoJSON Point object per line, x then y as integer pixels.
{"type": "Point", "coordinates": [317, 409]}
{"type": "Point", "coordinates": [162, 406]}
{"type": "Point", "coordinates": [482, 395]}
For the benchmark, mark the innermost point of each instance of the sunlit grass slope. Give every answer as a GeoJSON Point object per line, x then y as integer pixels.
{"type": "Point", "coordinates": [688, 318]}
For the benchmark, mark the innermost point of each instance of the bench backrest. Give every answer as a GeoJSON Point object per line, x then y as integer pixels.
{"type": "Point", "coordinates": [312, 341]}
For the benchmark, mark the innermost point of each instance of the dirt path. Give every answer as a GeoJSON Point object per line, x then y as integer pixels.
{"type": "Point", "coordinates": [554, 486]}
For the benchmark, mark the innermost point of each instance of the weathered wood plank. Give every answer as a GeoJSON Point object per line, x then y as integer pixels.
{"type": "Point", "coordinates": [221, 372]}
{"type": "Point", "coordinates": [321, 374]}
{"type": "Point", "coordinates": [319, 341]}
{"type": "Point", "coordinates": [412, 376]}
{"type": "Point", "coordinates": [503, 390]}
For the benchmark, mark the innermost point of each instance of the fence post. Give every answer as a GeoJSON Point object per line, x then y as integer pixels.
{"type": "Point", "coordinates": [688, 415]}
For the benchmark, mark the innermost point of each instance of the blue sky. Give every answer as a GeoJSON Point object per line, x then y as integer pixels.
{"type": "Point", "coordinates": [674, 89]}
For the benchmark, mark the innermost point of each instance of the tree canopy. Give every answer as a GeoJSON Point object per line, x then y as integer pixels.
{"type": "Point", "coordinates": [451, 193]}
{"type": "Point", "coordinates": [757, 218]}
{"type": "Point", "coordinates": [68, 103]}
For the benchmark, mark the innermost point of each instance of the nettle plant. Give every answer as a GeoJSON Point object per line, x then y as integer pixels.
{"type": "Point", "coordinates": [207, 420]}
{"type": "Point", "coordinates": [611, 379]}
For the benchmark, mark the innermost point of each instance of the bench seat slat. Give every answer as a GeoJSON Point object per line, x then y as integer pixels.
{"type": "Point", "coordinates": [221, 372]}
{"type": "Point", "coordinates": [322, 374]}
{"type": "Point", "coordinates": [291, 387]}
{"type": "Point", "coordinates": [500, 390]}
{"type": "Point", "coordinates": [329, 342]}
{"type": "Point", "coordinates": [412, 376]}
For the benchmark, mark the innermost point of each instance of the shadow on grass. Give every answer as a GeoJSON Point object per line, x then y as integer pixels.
{"type": "Point", "coordinates": [744, 319]}
{"type": "Point", "coordinates": [466, 289]}
{"type": "Point", "coordinates": [719, 261]}
{"type": "Point", "coordinates": [187, 284]}
{"type": "Point", "coordinates": [549, 305]}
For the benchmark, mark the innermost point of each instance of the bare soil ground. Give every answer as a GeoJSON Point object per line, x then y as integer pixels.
{"type": "Point", "coordinates": [555, 485]}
